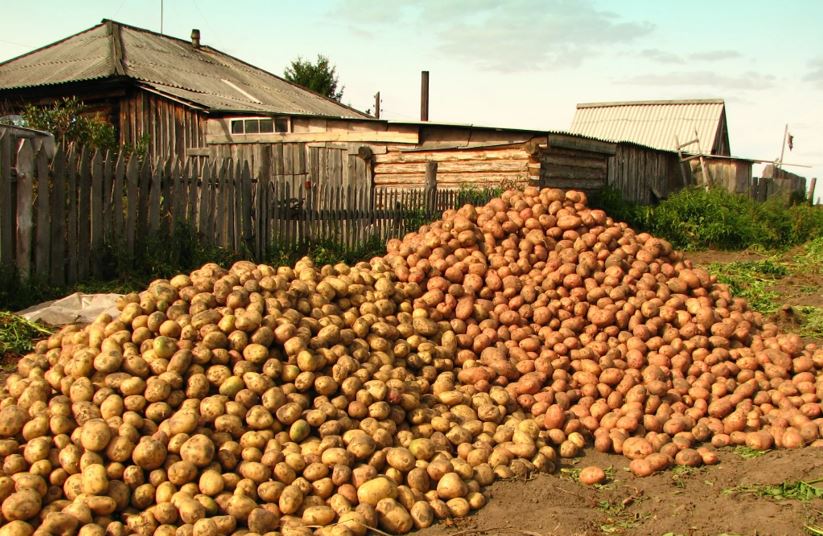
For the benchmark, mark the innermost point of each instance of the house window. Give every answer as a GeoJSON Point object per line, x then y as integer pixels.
{"type": "Point", "coordinates": [260, 125]}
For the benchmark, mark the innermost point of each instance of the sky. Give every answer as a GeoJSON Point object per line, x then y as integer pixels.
{"type": "Point", "coordinates": [514, 63]}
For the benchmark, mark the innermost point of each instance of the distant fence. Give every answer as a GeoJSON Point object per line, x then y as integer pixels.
{"type": "Point", "coordinates": [57, 211]}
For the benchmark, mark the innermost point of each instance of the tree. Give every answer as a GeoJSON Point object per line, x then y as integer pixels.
{"type": "Point", "coordinates": [320, 77]}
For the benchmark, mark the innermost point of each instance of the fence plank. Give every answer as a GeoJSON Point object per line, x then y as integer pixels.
{"type": "Point", "coordinates": [258, 218]}
{"type": "Point", "coordinates": [7, 216]}
{"type": "Point", "coordinates": [276, 212]}
{"type": "Point", "coordinates": [191, 184]}
{"type": "Point", "coordinates": [220, 204]}
{"type": "Point", "coordinates": [231, 190]}
{"type": "Point", "coordinates": [144, 198]}
{"type": "Point", "coordinates": [132, 201]}
{"type": "Point", "coordinates": [177, 204]}
{"type": "Point", "coordinates": [43, 228]}
{"type": "Point", "coordinates": [57, 273]}
{"type": "Point", "coordinates": [246, 204]}
{"type": "Point", "coordinates": [155, 195]}
{"type": "Point", "coordinates": [205, 202]}
{"type": "Point", "coordinates": [83, 219]}
{"type": "Point", "coordinates": [72, 250]}
{"type": "Point", "coordinates": [166, 195]}
{"type": "Point", "coordinates": [108, 189]}
{"type": "Point", "coordinates": [25, 172]}
{"type": "Point", "coordinates": [96, 201]}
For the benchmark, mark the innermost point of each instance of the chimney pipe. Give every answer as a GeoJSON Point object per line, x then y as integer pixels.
{"type": "Point", "coordinates": [195, 38]}
{"type": "Point", "coordinates": [424, 96]}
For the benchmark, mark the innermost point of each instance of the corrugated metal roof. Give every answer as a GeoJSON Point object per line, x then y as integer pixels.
{"type": "Point", "coordinates": [203, 76]}
{"type": "Point", "coordinates": [656, 124]}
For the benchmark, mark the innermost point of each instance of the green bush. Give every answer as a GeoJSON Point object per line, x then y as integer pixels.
{"type": "Point", "coordinates": [695, 218]}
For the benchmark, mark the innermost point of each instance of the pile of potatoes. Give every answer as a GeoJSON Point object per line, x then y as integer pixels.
{"type": "Point", "coordinates": [390, 394]}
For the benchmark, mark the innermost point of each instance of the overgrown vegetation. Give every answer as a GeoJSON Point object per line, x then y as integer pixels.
{"type": "Point", "coordinates": [695, 218]}
{"type": "Point", "coordinates": [17, 335]}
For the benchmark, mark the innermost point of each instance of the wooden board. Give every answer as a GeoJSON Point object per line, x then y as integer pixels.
{"type": "Point", "coordinates": [132, 200]}
{"type": "Point", "coordinates": [450, 155]}
{"type": "Point", "coordinates": [57, 274]}
{"type": "Point", "coordinates": [25, 180]}
{"type": "Point", "coordinates": [445, 166]}
{"type": "Point", "coordinates": [96, 200]}
{"type": "Point", "coordinates": [7, 216]}
{"type": "Point", "coordinates": [72, 249]}
{"type": "Point", "coordinates": [43, 228]}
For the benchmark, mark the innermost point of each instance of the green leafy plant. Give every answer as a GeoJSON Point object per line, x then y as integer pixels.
{"type": "Point", "coordinates": [802, 490]}
{"type": "Point", "coordinates": [17, 334]}
{"type": "Point", "coordinates": [319, 76]}
{"type": "Point", "coordinates": [748, 453]}
{"type": "Point", "coordinates": [72, 122]}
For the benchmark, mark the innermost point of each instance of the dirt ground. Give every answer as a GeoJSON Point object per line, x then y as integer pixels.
{"type": "Point", "coordinates": [692, 503]}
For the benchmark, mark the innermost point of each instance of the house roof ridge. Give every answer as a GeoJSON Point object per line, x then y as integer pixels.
{"type": "Point", "coordinates": [662, 102]}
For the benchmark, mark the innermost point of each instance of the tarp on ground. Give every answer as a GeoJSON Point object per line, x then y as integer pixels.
{"type": "Point", "coordinates": [74, 308]}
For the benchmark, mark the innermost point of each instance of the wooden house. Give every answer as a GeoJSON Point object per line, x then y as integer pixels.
{"type": "Point", "coordinates": [162, 88]}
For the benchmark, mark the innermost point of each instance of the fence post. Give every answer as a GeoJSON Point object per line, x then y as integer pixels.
{"type": "Point", "coordinates": [431, 188]}
{"type": "Point", "coordinates": [812, 186]}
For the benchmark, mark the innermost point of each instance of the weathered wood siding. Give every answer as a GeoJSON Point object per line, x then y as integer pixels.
{"type": "Point", "coordinates": [481, 167]}
{"type": "Point", "coordinates": [732, 175]}
{"type": "Point", "coordinates": [572, 169]}
{"type": "Point", "coordinates": [297, 163]}
{"type": "Point", "coordinates": [172, 128]}
{"type": "Point", "coordinates": [644, 175]}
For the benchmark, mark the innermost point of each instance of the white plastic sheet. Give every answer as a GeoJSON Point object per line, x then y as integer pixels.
{"type": "Point", "coordinates": [74, 308]}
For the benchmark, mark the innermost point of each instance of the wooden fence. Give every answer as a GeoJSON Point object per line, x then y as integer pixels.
{"type": "Point", "coordinates": [57, 212]}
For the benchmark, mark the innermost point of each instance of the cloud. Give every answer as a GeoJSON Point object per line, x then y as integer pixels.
{"type": "Point", "coordinates": [660, 56]}
{"type": "Point", "coordinates": [815, 74]}
{"type": "Point", "coordinates": [715, 55]}
{"type": "Point", "coordinates": [747, 80]}
{"type": "Point", "coordinates": [516, 35]}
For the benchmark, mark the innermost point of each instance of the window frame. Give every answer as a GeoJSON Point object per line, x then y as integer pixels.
{"type": "Point", "coordinates": [276, 121]}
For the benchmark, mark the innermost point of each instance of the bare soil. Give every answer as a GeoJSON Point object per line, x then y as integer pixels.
{"type": "Point", "coordinates": [692, 503]}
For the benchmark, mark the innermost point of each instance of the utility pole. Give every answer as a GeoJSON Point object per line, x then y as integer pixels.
{"type": "Point", "coordinates": [161, 16]}
{"type": "Point", "coordinates": [783, 147]}
{"type": "Point", "coordinates": [377, 105]}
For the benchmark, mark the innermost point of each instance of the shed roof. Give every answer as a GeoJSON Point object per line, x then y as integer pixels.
{"type": "Point", "coordinates": [657, 124]}
{"type": "Point", "coordinates": [201, 76]}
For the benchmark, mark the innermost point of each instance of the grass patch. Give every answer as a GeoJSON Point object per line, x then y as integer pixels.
{"type": "Point", "coordinates": [802, 490]}
{"type": "Point", "coordinates": [751, 280]}
{"type": "Point", "coordinates": [748, 453]}
{"type": "Point", "coordinates": [17, 335]}
{"type": "Point", "coordinates": [811, 321]}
